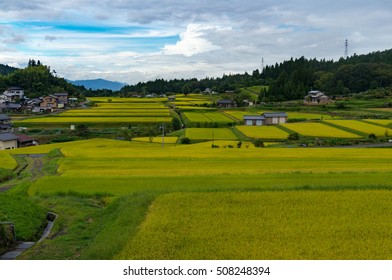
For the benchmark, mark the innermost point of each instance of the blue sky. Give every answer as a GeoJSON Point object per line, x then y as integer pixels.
{"type": "Point", "coordinates": [132, 41]}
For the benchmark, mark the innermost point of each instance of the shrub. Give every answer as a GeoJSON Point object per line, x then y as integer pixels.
{"type": "Point", "coordinates": [258, 143]}
{"type": "Point", "coordinates": [293, 136]}
{"type": "Point", "coordinates": [185, 140]}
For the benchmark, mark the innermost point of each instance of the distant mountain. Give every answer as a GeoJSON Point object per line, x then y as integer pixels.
{"type": "Point", "coordinates": [99, 84]}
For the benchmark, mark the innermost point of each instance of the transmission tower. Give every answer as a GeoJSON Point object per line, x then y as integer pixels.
{"type": "Point", "coordinates": [346, 49]}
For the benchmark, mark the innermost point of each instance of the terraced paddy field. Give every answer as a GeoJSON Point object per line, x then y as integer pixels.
{"type": "Point", "coordinates": [362, 127]}
{"type": "Point", "coordinates": [239, 115]}
{"type": "Point", "coordinates": [210, 134]}
{"type": "Point", "coordinates": [7, 161]}
{"type": "Point", "coordinates": [134, 200]}
{"type": "Point", "coordinates": [196, 117]}
{"type": "Point", "coordinates": [107, 113]}
{"type": "Point", "coordinates": [263, 132]}
{"type": "Point", "coordinates": [315, 129]}
{"type": "Point", "coordinates": [380, 122]}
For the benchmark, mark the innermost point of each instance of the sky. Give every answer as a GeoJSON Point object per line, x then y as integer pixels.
{"type": "Point", "coordinates": [134, 41]}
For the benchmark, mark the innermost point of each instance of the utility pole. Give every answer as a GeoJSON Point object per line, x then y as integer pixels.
{"type": "Point", "coordinates": [163, 135]}
{"type": "Point", "coordinates": [346, 49]}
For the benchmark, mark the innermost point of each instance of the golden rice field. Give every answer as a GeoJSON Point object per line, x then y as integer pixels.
{"type": "Point", "coordinates": [382, 122]}
{"type": "Point", "coordinates": [7, 161]}
{"type": "Point", "coordinates": [314, 129]}
{"type": "Point", "coordinates": [196, 117]}
{"type": "Point", "coordinates": [362, 127]}
{"type": "Point", "coordinates": [266, 225]}
{"type": "Point", "coordinates": [166, 139]}
{"type": "Point", "coordinates": [263, 132]}
{"type": "Point", "coordinates": [239, 115]}
{"type": "Point", "coordinates": [126, 99]}
{"type": "Point", "coordinates": [210, 134]}
{"type": "Point", "coordinates": [73, 120]}
{"type": "Point", "coordinates": [222, 203]}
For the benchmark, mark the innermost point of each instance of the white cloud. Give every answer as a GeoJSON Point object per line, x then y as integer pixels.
{"type": "Point", "coordinates": [192, 42]}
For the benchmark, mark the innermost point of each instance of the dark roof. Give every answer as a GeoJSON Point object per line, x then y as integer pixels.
{"type": "Point", "coordinates": [225, 101]}
{"type": "Point", "coordinates": [4, 117]}
{"type": "Point", "coordinates": [61, 94]}
{"type": "Point", "coordinates": [275, 115]}
{"type": "Point", "coordinates": [24, 138]}
{"type": "Point", "coordinates": [8, 137]}
{"type": "Point", "coordinates": [254, 117]}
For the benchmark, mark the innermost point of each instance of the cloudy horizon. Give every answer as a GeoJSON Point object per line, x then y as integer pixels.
{"type": "Point", "coordinates": [131, 41]}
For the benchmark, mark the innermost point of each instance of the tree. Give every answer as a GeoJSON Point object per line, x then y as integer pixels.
{"type": "Point", "coordinates": [176, 124]}
{"type": "Point", "coordinates": [82, 130]}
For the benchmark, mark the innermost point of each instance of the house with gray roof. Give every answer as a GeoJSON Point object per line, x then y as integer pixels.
{"type": "Point", "coordinates": [8, 141]}
{"type": "Point", "coordinates": [266, 119]}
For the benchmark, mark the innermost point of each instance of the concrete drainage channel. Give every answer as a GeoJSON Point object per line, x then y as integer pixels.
{"type": "Point", "coordinates": [23, 246]}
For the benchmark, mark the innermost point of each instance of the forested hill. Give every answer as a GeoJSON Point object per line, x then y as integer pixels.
{"type": "Point", "coordinates": [358, 73]}
{"type": "Point", "coordinates": [291, 79]}
{"type": "Point", "coordinates": [5, 69]}
{"type": "Point", "coordinates": [36, 80]}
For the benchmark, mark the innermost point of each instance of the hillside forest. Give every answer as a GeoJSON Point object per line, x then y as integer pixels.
{"type": "Point", "coordinates": [288, 80]}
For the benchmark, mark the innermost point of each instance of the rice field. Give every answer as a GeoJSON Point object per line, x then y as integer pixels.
{"type": "Point", "coordinates": [223, 203]}
{"type": "Point", "coordinates": [210, 134]}
{"type": "Point", "coordinates": [381, 122]}
{"type": "Point", "coordinates": [75, 120]}
{"type": "Point", "coordinates": [314, 129]}
{"type": "Point", "coordinates": [263, 132]}
{"type": "Point", "coordinates": [362, 127]}
{"type": "Point", "coordinates": [124, 111]}
{"type": "Point", "coordinates": [196, 117]}
{"type": "Point", "coordinates": [286, 225]}
{"type": "Point", "coordinates": [7, 161]}
{"type": "Point", "coordinates": [239, 115]}
{"type": "Point", "coordinates": [166, 140]}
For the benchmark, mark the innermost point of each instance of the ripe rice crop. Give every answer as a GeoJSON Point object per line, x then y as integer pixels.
{"type": "Point", "coordinates": [126, 99]}
{"type": "Point", "coordinates": [319, 130]}
{"type": "Point", "coordinates": [362, 127]}
{"type": "Point", "coordinates": [157, 139]}
{"type": "Point", "coordinates": [71, 120]}
{"type": "Point", "coordinates": [7, 161]}
{"type": "Point", "coordinates": [217, 117]}
{"type": "Point", "coordinates": [263, 132]}
{"type": "Point", "coordinates": [307, 225]}
{"type": "Point", "coordinates": [130, 105]}
{"type": "Point", "coordinates": [210, 134]}
{"type": "Point", "coordinates": [382, 122]}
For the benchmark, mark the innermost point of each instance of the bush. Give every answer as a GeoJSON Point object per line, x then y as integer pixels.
{"type": "Point", "coordinates": [185, 140]}
{"type": "Point", "coordinates": [258, 143]}
{"type": "Point", "coordinates": [293, 136]}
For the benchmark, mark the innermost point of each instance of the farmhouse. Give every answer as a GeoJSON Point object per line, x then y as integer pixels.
{"type": "Point", "coordinates": [25, 141]}
{"type": "Point", "coordinates": [226, 103]}
{"type": "Point", "coordinates": [275, 118]}
{"type": "Point", "coordinates": [12, 94]}
{"type": "Point", "coordinates": [254, 120]}
{"type": "Point", "coordinates": [266, 119]}
{"type": "Point", "coordinates": [49, 102]}
{"type": "Point", "coordinates": [5, 124]}
{"type": "Point", "coordinates": [62, 98]}
{"type": "Point", "coordinates": [8, 141]}
{"type": "Point", "coordinates": [316, 97]}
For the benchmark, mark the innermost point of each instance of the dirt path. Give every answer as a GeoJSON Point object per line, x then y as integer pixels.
{"type": "Point", "coordinates": [36, 169]}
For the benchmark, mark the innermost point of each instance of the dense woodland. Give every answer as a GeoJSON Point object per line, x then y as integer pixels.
{"type": "Point", "coordinates": [288, 80]}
